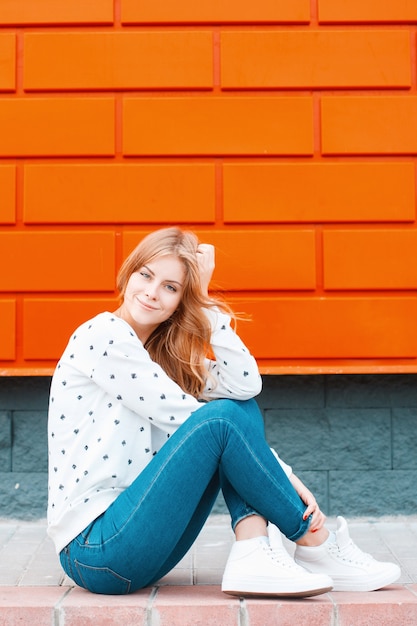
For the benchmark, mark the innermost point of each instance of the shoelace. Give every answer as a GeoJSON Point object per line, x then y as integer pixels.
{"type": "Point", "coordinates": [352, 554]}
{"type": "Point", "coordinates": [281, 556]}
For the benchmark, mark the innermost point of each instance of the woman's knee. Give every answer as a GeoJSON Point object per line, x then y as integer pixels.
{"type": "Point", "coordinates": [236, 411]}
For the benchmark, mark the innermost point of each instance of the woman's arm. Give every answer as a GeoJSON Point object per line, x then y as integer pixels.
{"type": "Point", "coordinates": [234, 370]}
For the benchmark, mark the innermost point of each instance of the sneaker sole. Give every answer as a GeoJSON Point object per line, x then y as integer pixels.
{"type": "Point", "coordinates": [373, 584]}
{"type": "Point", "coordinates": [278, 594]}
{"type": "Point", "coordinates": [368, 583]}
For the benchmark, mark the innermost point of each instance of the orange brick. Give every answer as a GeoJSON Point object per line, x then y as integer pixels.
{"type": "Point", "coordinates": [367, 11]}
{"type": "Point", "coordinates": [7, 329]}
{"type": "Point", "coordinates": [319, 192]}
{"type": "Point", "coordinates": [7, 194]}
{"type": "Point", "coordinates": [224, 125]}
{"type": "Point", "coordinates": [158, 193]}
{"type": "Point", "coordinates": [118, 60]}
{"type": "Point", "coordinates": [56, 12]}
{"type": "Point", "coordinates": [369, 125]}
{"type": "Point", "coordinates": [57, 261]}
{"type": "Point", "coordinates": [358, 59]}
{"type": "Point", "coordinates": [7, 62]}
{"type": "Point", "coordinates": [226, 11]}
{"type": "Point", "coordinates": [56, 126]}
{"type": "Point", "coordinates": [263, 259]}
{"type": "Point", "coordinates": [330, 328]}
{"type": "Point", "coordinates": [255, 260]}
{"type": "Point", "coordinates": [370, 259]}
{"type": "Point", "coordinates": [39, 314]}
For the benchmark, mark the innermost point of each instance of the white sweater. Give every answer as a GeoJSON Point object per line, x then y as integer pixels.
{"type": "Point", "coordinates": [112, 408]}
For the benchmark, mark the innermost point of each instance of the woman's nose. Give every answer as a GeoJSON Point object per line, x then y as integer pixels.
{"type": "Point", "coordinates": [151, 292]}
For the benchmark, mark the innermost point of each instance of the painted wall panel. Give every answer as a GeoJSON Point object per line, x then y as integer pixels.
{"type": "Point", "coordinates": [118, 60]}
{"type": "Point", "coordinates": [56, 11]}
{"type": "Point", "coordinates": [266, 59]}
{"type": "Point", "coordinates": [39, 314]}
{"type": "Point", "coordinates": [8, 329]}
{"type": "Point", "coordinates": [210, 126]}
{"type": "Point", "coordinates": [285, 133]}
{"type": "Point", "coordinates": [344, 327]}
{"type": "Point", "coordinates": [57, 261]}
{"type": "Point", "coordinates": [369, 125]}
{"type": "Point", "coordinates": [7, 194]}
{"type": "Point", "coordinates": [7, 62]}
{"type": "Point", "coordinates": [319, 192]}
{"type": "Point", "coordinates": [119, 192]}
{"type": "Point", "coordinates": [56, 127]}
{"type": "Point", "coordinates": [184, 11]}
{"type": "Point", "coordinates": [366, 259]}
{"type": "Point", "coordinates": [367, 11]}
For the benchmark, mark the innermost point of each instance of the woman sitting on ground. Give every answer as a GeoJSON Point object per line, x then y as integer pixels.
{"type": "Point", "coordinates": [151, 413]}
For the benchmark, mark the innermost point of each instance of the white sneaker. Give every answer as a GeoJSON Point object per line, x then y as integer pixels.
{"type": "Point", "coordinates": [254, 568]}
{"type": "Point", "coordinates": [349, 567]}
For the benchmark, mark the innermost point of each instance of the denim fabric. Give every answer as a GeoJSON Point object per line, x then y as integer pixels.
{"type": "Point", "coordinates": [154, 522]}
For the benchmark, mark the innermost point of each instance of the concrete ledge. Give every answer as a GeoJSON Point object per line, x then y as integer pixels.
{"type": "Point", "coordinates": [203, 605]}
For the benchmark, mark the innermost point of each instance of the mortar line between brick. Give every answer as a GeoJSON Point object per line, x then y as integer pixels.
{"type": "Point", "coordinates": [392, 436]}
{"type": "Point", "coordinates": [335, 613]}
{"type": "Point", "coordinates": [149, 607]}
{"type": "Point", "coordinates": [58, 609]}
{"type": "Point", "coordinates": [243, 617]}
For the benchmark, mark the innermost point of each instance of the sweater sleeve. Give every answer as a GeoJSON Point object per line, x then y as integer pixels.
{"type": "Point", "coordinates": [233, 372]}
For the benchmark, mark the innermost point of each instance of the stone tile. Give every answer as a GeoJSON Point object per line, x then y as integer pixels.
{"type": "Point", "coordinates": [381, 491]}
{"type": "Point", "coordinates": [283, 428]}
{"type": "Point", "coordinates": [24, 392]}
{"type": "Point", "coordinates": [10, 575]}
{"type": "Point", "coordinates": [29, 452]}
{"type": "Point", "coordinates": [371, 390]}
{"type": "Point", "coordinates": [391, 606]}
{"type": "Point", "coordinates": [360, 439]}
{"type": "Point", "coordinates": [24, 495]}
{"type": "Point", "coordinates": [316, 611]}
{"type": "Point", "coordinates": [82, 608]}
{"type": "Point", "coordinates": [178, 576]}
{"type": "Point", "coordinates": [292, 392]}
{"type": "Point", "coordinates": [409, 568]}
{"type": "Point", "coordinates": [334, 438]}
{"type": "Point", "coordinates": [207, 576]}
{"type": "Point", "coordinates": [192, 606]}
{"type": "Point", "coordinates": [404, 434]}
{"type": "Point", "coordinates": [5, 441]}
{"type": "Point", "coordinates": [29, 605]}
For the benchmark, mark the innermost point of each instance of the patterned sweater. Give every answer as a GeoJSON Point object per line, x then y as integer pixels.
{"type": "Point", "coordinates": [112, 408]}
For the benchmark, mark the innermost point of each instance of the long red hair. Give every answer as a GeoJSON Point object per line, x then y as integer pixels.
{"type": "Point", "coordinates": [181, 343]}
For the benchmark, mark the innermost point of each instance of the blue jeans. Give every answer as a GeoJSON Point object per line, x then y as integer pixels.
{"type": "Point", "coordinates": [153, 523]}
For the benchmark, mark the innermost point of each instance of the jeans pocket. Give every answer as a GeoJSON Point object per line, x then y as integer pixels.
{"type": "Point", "coordinates": [102, 580]}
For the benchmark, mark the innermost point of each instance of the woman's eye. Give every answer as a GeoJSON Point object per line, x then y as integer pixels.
{"type": "Point", "coordinates": [171, 288]}
{"type": "Point", "coordinates": [145, 275]}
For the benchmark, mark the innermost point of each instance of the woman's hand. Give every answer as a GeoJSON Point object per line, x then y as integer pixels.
{"type": "Point", "coordinates": [318, 517]}
{"type": "Point", "coordinates": [205, 258]}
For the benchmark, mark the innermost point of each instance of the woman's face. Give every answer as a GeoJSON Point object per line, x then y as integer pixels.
{"type": "Point", "coordinates": [153, 294]}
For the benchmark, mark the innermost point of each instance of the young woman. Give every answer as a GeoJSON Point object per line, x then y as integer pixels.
{"type": "Point", "coordinates": [151, 413]}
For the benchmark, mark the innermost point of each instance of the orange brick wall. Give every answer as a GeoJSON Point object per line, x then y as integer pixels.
{"type": "Point", "coordinates": [284, 132]}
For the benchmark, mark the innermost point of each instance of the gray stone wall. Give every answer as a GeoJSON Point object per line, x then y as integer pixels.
{"type": "Point", "coordinates": [23, 447]}
{"type": "Point", "coordinates": [351, 438]}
